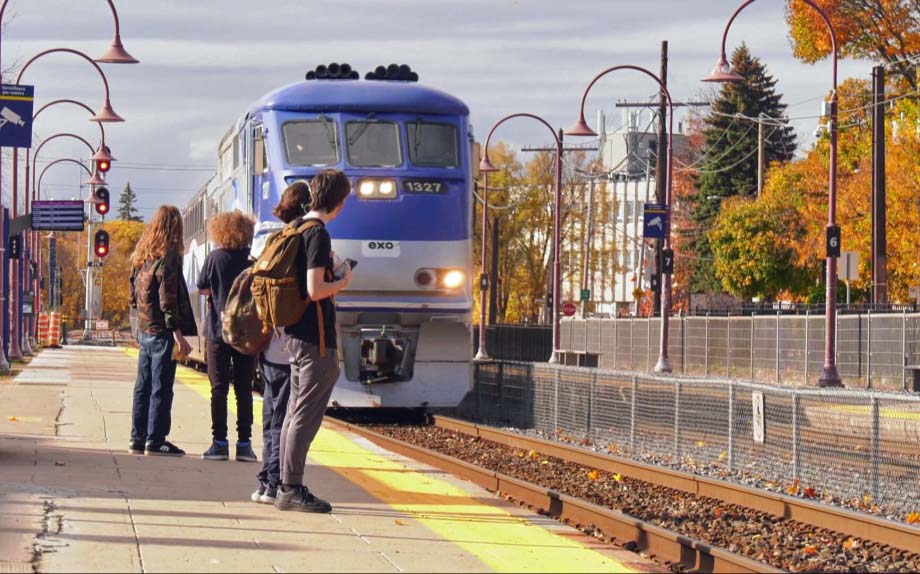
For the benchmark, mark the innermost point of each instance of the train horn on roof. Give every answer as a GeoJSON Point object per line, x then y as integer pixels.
{"type": "Point", "coordinates": [333, 71]}
{"type": "Point", "coordinates": [393, 72]}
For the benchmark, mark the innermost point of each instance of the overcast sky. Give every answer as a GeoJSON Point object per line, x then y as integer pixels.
{"type": "Point", "coordinates": [204, 61]}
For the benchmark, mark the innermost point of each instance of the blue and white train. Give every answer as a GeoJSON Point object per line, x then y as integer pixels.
{"type": "Point", "coordinates": [405, 322]}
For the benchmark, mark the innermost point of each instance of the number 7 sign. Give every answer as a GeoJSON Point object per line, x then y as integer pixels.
{"type": "Point", "coordinates": [667, 261]}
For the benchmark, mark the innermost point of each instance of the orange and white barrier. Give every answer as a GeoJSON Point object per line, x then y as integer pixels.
{"type": "Point", "coordinates": [54, 329]}
{"type": "Point", "coordinates": [43, 320]}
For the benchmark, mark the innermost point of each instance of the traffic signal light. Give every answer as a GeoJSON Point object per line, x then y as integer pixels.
{"type": "Point", "coordinates": [102, 200]}
{"type": "Point", "coordinates": [15, 246]}
{"type": "Point", "coordinates": [103, 165]}
{"type": "Point", "coordinates": [102, 244]}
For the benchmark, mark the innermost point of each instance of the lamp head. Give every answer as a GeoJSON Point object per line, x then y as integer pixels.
{"type": "Point", "coordinates": [107, 114]}
{"type": "Point", "coordinates": [485, 166]}
{"type": "Point", "coordinates": [580, 128]}
{"type": "Point", "coordinates": [723, 73]}
{"type": "Point", "coordinates": [116, 54]}
{"type": "Point", "coordinates": [102, 154]}
{"type": "Point", "coordinates": [96, 179]}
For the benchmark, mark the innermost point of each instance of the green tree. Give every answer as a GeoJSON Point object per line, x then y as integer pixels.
{"type": "Point", "coordinates": [126, 205]}
{"type": "Point", "coordinates": [730, 167]}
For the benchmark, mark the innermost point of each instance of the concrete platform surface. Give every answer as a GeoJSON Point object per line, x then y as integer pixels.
{"type": "Point", "coordinates": [73, 500]}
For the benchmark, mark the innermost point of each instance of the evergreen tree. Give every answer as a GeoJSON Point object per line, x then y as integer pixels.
{"type": "Point", "coordinates": [126, 205]}
{"type": "Point", "coordinates": [731, 145]}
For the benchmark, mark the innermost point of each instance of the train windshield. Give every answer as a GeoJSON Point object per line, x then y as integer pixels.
{"type": "Point", "coordinates": [311, 142]}
{"type": "Point", "coordinates": [372, 143]}
{"type": "Point", "coordinates": [433, 144]}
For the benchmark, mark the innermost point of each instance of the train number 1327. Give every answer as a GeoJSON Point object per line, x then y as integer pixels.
{"type": "Point", "coordinates": [423, 186]}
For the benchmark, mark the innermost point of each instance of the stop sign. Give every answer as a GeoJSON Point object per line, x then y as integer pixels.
{"type": "Point", "coordinates": [568, 309]}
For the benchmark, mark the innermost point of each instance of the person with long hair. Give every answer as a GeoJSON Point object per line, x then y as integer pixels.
{"type": "Point", "coordinates": [164, 312]}
{"type": "Point", "coordinates": [231, 235]}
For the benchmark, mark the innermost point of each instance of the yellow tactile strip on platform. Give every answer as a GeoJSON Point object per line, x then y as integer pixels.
{"type": "Point", "coordinates": [504, 542]}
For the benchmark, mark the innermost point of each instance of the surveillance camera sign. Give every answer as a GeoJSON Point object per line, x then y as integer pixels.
{"type": "Point", "coordinates": [656, 221]}
{"type": "Point", "coordinates": [16, 115]}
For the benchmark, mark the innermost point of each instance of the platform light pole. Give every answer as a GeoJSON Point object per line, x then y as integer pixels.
{"type": "Point", "coordinates": [830, 377]}
{"type": "Point", "coordinates": [106, 114]}
{"type": "Point", "coordinates": [581, 128]}
{"type": "Point", "coordinates": [485, 166]}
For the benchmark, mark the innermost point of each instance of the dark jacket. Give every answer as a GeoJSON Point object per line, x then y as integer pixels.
{"type": "Point", "coordinates": [160, 295]}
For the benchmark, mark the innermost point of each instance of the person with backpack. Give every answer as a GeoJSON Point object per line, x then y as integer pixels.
{"type": "Point", "coordinates": [312, 340]}
{"type": "Point", "coordinates": [274, 363]}
{"type": "Point", "coordinates": [231, 233]}
{"type": "Point", "coordinates": [164, 313]}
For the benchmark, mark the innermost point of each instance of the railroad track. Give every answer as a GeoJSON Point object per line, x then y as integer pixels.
{"type": "Point", "coordinates": [683, 552]}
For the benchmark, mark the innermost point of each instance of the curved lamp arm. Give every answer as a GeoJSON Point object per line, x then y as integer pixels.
{"type": "Point", "coordinates": [485, 151]}
{"type": "Point", "coordinates": [107, 114]}
{"type": "Point", "coordinates": [76, 103]}
{"type": "Point", "coordinates": [55, 162]}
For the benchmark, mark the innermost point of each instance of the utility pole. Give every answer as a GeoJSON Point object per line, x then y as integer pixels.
{"type": "Point", "coordinates": [760, 157]}
{"type": "Point", "coordinates": [586, 260]}
{"type": "Point", "coordinates": [493, 273]}
{"type": "Point", "coordinates": [661, 165]}
{"type": "Point", "coordinates": [879, 238]}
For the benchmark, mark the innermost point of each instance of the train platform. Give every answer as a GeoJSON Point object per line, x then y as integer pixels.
{"type": "Point", "coordinates": [72, 499]}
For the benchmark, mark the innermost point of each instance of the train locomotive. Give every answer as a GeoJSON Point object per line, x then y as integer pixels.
{"type": "Point", "coordinates": [405, 322]}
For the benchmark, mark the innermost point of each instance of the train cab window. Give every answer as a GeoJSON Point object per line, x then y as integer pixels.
{"type": "Point", "coordinates": [311, 142]}
{"type": "Point", "coordinates": [373, 143]}
{"type": "Point", "coordinates": [433, 144]}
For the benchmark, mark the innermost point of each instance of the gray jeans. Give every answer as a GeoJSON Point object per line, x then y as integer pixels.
{"type": "Point", "coordinates": [312, 379]}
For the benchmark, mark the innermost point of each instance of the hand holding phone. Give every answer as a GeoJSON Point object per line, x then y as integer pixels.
{"type": "Point", "coordinates": [344, 268]}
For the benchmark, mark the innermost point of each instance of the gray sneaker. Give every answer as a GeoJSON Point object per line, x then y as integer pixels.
{"type": "Point", "coordinates": [217, 452]}
{"type": "Point", "coordinates": [301, 500]}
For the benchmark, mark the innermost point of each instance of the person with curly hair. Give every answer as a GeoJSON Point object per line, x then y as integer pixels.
{"type": "Point", "coordinates": [231, 235]}
{"type": "Point", "coordinates": [164, 310]}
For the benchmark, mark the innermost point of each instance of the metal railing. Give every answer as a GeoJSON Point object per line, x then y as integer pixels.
{"type": "Point", "coordinates": [874, 351]}
{"type": "Point", "coordinates": [856, 445]}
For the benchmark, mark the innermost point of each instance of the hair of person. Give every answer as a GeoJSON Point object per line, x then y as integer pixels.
{"type": "Point", "coordinates": [231, 230]}
{"type": "Point", "coordinates": [295, 201]}
{"type": "Point", "coordinates": [162, 235]}
{"type": "Point", "coordinates": [330, 189]}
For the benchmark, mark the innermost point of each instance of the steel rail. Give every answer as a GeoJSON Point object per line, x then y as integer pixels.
{"type": "Point", "coordinates": [856, 524]}
{"type": "Point", "coordinates": [660, 543]}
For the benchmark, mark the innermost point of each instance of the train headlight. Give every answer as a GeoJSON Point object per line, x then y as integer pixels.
{"type": "Point", "coordinates": [453, 279]}
{"type": "Point", "coordinates": [377, 189]}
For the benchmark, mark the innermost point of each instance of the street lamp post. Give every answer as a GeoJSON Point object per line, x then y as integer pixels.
{"type": "Point", "coordinates": [486, 166]}
{"type": "Point", "coordinates": [581, 128]}
{"type": "Point", "coordinates": [484, 280]}
{"type": "Point", "coordinates": [830, 377]}
{"type": "Point", "coordinates": [106, 114]}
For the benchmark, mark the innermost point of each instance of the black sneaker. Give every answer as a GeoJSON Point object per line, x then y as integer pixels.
{"type": "Point", "coordinates": [269, 496]}
{"type": "Point", "coordinates": [301, 500]}
{"type": "Point", "coordinates": [165, 448]}
{"type": "Point", "coordinates": [217, 452]}
{"type": "Point", "coordinates": [136, 447]}
{"type": "Point", "coordinates": [258, 493]}
{"type": "Point", "coordinates": [245, 453]}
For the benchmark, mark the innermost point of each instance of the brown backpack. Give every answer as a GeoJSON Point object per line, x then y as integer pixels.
{"type": "Point", "coordinates": [241, 326]}
{"type": "Point", "coordinates": [275, 281]}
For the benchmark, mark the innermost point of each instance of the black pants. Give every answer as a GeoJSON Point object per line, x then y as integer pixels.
{"type": "Point", "coordinates": [274, 406]}
{"type": "Point", "coordinates": [222, 361]}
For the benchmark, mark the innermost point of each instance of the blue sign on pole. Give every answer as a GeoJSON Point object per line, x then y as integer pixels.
{"type": "Point", "coordinates": [16, 115]}
{"type": "Point", "coordinates": [656, 221]}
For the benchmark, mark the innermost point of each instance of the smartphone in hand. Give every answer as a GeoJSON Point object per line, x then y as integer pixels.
{"type": "Point", "coordinates": [347, 264]}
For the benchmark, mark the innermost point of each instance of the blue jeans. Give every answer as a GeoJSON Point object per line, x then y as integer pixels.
{"type": "Point", "coordinates": [274, 406]}
{"type": "Point", "coordinates": [153, 392]}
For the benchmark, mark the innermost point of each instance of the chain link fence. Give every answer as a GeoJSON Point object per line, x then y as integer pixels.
{"type": "Point", "coordinates": [874, 350]}
{"type": "Point", "coordinates": [847, 445]}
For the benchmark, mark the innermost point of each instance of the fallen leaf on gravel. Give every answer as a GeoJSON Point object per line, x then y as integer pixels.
{"type": "Point", "coordinates": [810, 549]}
{"type": "Point", "coordinates": [534, 455]}
{"type": "Point", "coordinates": [850, 544]}
{"type": "Point", "coordinates": [612, 449]}
{"type": "Point", "coordinates": [793, 488]}
{"type": "Point", "coordinates": [544, 462]}
{"type": "Point", "coordinates": [617, 477]}
{"type": "Point", "coordinates": [810, 492]}
{"type": "Point", "coordinates": [520, 454]}
{"type": "Point", "coordinates": [594, 475]}
{"type": "Point", "coordinates": [913, 518]}
{"type": "Point", "coordinates": [723, 455]}
{"type": "Point", "coordinates": [399, 523]}
{"type": "Point", "coordinates": [867, 498]}
{"type": "Point", "coordinates": [700, 443]}
{"type": "Point", "coordinates": [717, 512]}
{"type": "Point", "coordinates": [13, 419]}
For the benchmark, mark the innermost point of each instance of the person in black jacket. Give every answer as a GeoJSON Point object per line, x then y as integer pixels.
{"type": "Point", "coordinates": [160, 296]}
{"type": "Point", "coordinates": [231, 234]}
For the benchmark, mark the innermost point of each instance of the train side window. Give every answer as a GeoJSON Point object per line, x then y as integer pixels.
{"type": "Point", "coordinates": [260, 160]}
{"type": "Point", "coordinates": [311, 142]}
{"type": "Point", "coordinates": [373, 143]}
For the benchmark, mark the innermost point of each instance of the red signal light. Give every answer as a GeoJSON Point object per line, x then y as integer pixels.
{"type": "Point", "coordinates": [102, 200]}
{"type": "Point", "coordinates": [101, 248]}
{"type": "Point", "coordinates": [103, 165]}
